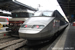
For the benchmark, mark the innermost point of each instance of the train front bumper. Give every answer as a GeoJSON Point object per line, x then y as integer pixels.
{"type": "Point", "coordinates": [30, 36]}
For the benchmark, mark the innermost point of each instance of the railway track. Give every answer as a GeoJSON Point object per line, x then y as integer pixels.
{"type": "Point", "coordinates": [6, 40]}
{"type": "Point", "coordinates": [11, 43]}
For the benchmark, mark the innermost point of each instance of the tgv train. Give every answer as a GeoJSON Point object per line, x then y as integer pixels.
{"type": "Point", "coordinates": [17, 19]}
{"type": "Point", "coordinates": [43, 26]}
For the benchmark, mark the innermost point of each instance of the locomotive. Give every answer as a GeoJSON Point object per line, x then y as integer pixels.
{"type": "Point", "coordinates": [42, 26]}
{"type": "Point", "coordinates": [18, 18]}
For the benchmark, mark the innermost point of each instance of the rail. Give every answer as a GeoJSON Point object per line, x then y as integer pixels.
{"type": "Point", "coordinates": [12, 44]}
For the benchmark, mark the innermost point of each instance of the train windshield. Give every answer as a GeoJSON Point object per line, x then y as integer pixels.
{"type": "Point", "coordinates": [47, 13]}
{"type": "Point", "coordinates": [43, 13]}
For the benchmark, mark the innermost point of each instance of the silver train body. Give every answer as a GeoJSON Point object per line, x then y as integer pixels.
{"type": "Point", "coordinates": [40, 28]}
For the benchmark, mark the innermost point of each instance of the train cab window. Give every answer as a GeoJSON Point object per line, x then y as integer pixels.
{"type": "Point", "coordinates": [47, 13]}
{"type": "Point", "coordinates": [43, 13]}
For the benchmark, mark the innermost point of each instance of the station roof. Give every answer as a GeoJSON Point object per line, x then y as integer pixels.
{"type": "Point", "coordinates": [4, 14]}
{"type": "Point", "coordinates": [68, 6]}
{"type": "Point", "coordinates": [10, 5]}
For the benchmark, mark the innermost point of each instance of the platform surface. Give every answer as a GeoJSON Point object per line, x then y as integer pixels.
{"type": "Point", "coordinates": [3, 29]}
{"type": "Point", "coordinates": [66, 41]}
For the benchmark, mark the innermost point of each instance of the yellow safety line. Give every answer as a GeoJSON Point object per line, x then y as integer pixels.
{"type": "Point", "coordinates": [1, 26]}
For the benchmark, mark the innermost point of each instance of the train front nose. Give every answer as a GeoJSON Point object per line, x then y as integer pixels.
{"type": "Point", "coordinates": [30, 31]}
{"type": "Point", "coordinates": [30, 34]}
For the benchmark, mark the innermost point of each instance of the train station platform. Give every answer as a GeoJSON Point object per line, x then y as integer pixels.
{"type": "Point", "coordinates": [3, 29]}
{"type": "Point", "coordinates": [3, 33]}
{"type": "Point", "coordinates": [66, 40]}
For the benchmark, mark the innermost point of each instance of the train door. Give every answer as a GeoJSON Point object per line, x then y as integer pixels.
{"type": "Point", "coordinates": [54, 26]}
{"type": "Point", "coordinates": [57, 24]}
